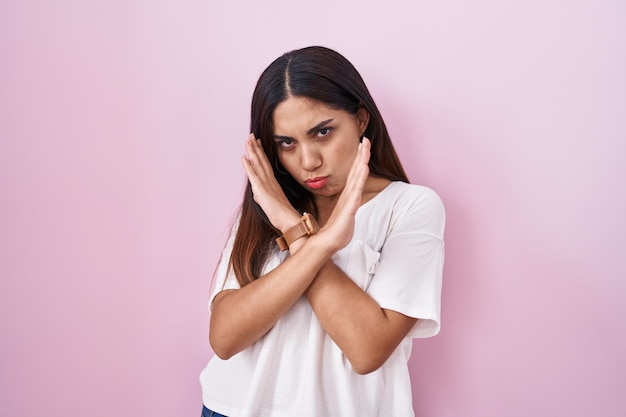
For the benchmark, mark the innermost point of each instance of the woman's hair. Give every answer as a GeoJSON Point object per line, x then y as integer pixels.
{"type": "Point", "coordinates": [320, 74]}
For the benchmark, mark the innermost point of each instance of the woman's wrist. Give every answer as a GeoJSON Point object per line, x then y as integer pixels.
{"type": "Point", "coordinates": [315, 246]}
{"type": "Point", "coordinates": [306, 226]}
{"type": "Point", "coordinates": [290, 220]}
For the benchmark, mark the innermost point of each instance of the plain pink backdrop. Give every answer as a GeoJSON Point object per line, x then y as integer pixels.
{"type": "Point", "coordinates": [121, 127]}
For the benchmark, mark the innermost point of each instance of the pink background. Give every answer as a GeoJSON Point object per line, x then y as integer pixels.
{"type": "Point", "coordinates": [121, 127]}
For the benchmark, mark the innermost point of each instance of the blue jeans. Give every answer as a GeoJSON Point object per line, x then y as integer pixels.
{"type": "Point", "coordinates": [208, 413]}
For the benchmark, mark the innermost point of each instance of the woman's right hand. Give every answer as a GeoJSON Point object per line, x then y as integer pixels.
{"type": "Point", "coordinates": [265, 188]}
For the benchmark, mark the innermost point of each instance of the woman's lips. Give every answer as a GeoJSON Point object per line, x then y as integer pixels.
{"type": "Point", "coordinates": [316, 183]}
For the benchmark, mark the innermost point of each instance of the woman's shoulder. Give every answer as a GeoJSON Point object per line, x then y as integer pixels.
{"type": "Point", "coordinates": [412, 194]}
{"type": "Point", "coordinates": [417, 204]}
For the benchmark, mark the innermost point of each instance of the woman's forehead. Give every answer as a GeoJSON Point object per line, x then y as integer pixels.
{"type": "Point", "coordinates": [298, 113]}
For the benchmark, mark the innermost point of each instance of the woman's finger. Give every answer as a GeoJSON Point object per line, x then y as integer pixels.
{"type": "Point", "coordinates": [257, 156]}
{"type": "Point", "coordinates": [266, 190]}
{"type": "Point", "coordinates": [358, 172]}
{"type": "Point", "coordinates": [350, 198]}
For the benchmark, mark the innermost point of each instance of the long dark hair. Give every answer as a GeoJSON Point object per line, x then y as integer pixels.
{"type": "Point", "coordinates": [320, 74]}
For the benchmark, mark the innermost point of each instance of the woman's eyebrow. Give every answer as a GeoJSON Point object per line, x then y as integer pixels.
{"type": "Point", "coordinates": [309, 132]}
{"type": "Point", "coordinates": [318, 126]}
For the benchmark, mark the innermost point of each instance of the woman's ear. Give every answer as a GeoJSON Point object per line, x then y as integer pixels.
{"type": "Point", "coordinates": [363, 117]}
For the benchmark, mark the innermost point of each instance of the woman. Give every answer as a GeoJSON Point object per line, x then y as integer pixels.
{"type": "Point", "coordinates": [335, 261]}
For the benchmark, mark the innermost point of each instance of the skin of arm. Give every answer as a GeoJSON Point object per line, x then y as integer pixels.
{"type": "Point", "coordinates": [366, 333]}
{"type": "Point", "coordinates": [240, 317]}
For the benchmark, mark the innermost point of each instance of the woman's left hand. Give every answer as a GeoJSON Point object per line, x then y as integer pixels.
{"type": "Point", "coordinates": [265, 188]}
{"type": "Point", "coordinates": [338, 229]}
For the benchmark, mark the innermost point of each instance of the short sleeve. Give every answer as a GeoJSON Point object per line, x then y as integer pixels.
{"type": "Point", "coordinates": [224, 278]}
{"type": "Point", "coordinates": [408, 277]}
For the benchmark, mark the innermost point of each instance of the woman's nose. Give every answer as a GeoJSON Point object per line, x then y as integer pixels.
{"type": "Point", "coordinates": [311, 158]}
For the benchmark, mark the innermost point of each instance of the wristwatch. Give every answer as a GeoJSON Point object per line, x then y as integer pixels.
{"type": "Point", "coordinates": [306, 227]}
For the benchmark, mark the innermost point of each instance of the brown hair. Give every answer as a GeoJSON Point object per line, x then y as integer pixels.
{"type": "Point", "coordinates": [320, 74]}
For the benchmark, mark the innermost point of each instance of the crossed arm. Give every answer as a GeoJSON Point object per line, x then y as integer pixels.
{"type": "Point", "coordinates": [366, 333]}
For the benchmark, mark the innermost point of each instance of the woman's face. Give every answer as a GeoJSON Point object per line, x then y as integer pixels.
{"type": "Point", "coordinates": [317, 144]}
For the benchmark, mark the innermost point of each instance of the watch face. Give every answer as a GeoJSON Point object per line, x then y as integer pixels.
{"type": "Point", "coordinates": [310, 224]}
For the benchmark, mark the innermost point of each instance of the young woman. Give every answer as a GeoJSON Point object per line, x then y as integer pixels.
{"type": "Point", "coordinates": [334, 263]}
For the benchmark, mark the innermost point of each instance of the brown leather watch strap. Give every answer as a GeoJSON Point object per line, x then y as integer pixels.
{"type": "Point", "coordinates": [307, 226]}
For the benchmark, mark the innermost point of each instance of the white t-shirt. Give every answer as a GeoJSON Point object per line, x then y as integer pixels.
{"type": "Point", "coordinates": [296, 370]}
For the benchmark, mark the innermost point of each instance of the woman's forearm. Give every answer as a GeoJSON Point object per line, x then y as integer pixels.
{"type": "Point", "coordinates": [240, 317]}
{"type": "Point", "coordinates": [366, 333]}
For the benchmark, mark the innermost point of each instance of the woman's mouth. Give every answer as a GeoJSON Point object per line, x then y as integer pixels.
{"type": "Point", "coordinates": [316, 183]}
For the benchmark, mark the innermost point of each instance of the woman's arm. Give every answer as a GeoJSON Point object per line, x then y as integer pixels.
{"type": "Point", "coordinates": [240, 317]}
{"type": "Point", "coordinates": [408, 278]}
{"type": "Point", "coordinates": [366, 333]}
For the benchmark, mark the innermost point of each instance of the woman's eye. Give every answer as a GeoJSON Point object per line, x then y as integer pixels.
{"type": "Point", "coordinates": [286, 143]}
{"type": "Point", "coordinates": [324, 132]}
